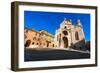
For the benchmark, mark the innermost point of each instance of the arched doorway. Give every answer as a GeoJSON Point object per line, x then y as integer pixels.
{"type": "Point", "coordinates": [28, 42]}
{"type": "Point", "coordinates": [65, 39]}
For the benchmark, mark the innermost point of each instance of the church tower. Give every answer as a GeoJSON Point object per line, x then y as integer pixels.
{"type": "Point", "coordinates": [80, 27]}
{"type": "Point", "coordinates": [79, 23]}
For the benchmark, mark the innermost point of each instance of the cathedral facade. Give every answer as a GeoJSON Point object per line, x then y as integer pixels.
{"type": "Point", "coordinates": [67, 35]}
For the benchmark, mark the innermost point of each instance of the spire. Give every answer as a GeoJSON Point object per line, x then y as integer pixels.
{"type": "Point", "coordinates": [79, 22]}
{"type": "Point", "coordinates": [70, 21]}
{"type": "Point", "coordinates": [64, 19]}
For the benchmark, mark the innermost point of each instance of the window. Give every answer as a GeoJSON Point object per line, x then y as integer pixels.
{"type": "Point", "coordinates": [47, 44]}
{"type": "Point", "coordinates": [28, 42]}
{"type": "Point", "coordinates": [34, 38]}
{"type": "Point", "coordinates": [36, 43]}
{"type": "Point", "coordinates": [76, 36]}
{"type": "Point", "coordinates": [38, 39]}
{"type": "Point", "coordinates": [33, 43]}
{"type": "Point", "coordinates": [65, 32]}
{"type": "Point", "coordinates": [65, 27]}
{"type": "Point", "coordinates": [36, 33]}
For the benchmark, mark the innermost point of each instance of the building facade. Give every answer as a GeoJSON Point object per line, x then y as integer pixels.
{"type": "Point", "coordinates": [41, 39]}
{"type": "Point", "coordinates": [67, 35]}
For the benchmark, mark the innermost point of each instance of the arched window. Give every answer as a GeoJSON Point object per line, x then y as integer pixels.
{"type": "Point", "coordinates": [34, 38]}
{"type": "Point", "coordinates": [47, 43]}
{"type": "Point", "coordinates": [33, 43]}
{"type": "Point", "coordinates": [36, 33]}
{"type": "Point", "coordinates": [36, 43]}
{"type": "Point", "coordinates": [65, 32]}
{"type": "Point", "coordinates": [76, 36]}
{"type": "Point", "coordinates": [28, 42]}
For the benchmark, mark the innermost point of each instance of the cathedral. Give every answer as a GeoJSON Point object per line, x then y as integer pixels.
{"type": "Point", "coordinates": [68, 35]}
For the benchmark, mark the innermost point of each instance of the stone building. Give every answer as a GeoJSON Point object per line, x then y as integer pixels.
{"type": "Point", "coordinates": [68, 35]}
{"type": "Point", "coordinates": [41, 39]}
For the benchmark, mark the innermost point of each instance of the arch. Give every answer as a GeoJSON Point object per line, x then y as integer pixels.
{"type": "Point", "coordinates": [65, 40]}
{"type": "Point", "coordinates": [65, 32]}
{"type": "Point", "coordinates": [28, 42]}
{"type": "Point", "coordinates": [37, 43]}
{"type": "Point", "coordinates": [47, 43]}
{"type": "Point", "coordinates": [76, 36]}
{"type": "Point", "coordinates": [33, 43]}
{"type": "Point", "coordinates": [34, 38]}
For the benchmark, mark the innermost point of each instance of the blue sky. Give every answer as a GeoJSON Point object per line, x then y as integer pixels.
{"type": "Point", "coordinates": [50, 21]}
